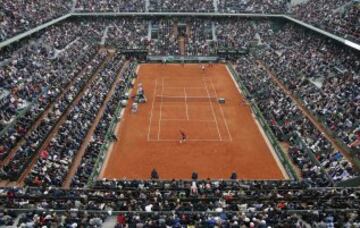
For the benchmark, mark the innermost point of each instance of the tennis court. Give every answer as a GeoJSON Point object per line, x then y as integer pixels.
{"type": "Point", "coordinates": [190, 105]}
{"type": "Point", "coordinates": [221, 138]}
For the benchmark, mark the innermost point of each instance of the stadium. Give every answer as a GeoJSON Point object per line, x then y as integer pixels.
{"type": "Point", "coordinates": [193, 113]}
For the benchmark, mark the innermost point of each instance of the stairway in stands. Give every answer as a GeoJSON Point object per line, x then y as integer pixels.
{"type": "Point", "coordinates": [182, 36]}
{"type": "Point", "coordinates": [181, 41]}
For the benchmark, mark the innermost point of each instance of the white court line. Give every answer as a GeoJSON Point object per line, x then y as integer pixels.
{"type": "Point", "coordinates": [162, 93]}
{"type": "Point", "coordinates": [222, 111]}
{"type": "Point", "coordinates": [151, 112]}
{"type": "Point", "coordinates": [212, 110]}
{"type": "Point", "coordinates": [186, 105]}
{"type": "Point", "coordinates": [192, 120]}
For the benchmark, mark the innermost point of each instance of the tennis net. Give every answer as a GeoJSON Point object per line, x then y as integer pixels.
{"type": "Point", "coordinates": [185, 99]}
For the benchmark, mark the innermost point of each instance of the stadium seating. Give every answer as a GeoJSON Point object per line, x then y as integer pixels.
{"type": "Point", "coordinates": [94, 148]}
{"type": "Point", "coordinates": [111, 6]}
{"type": "Point", "coordinates": [126, 35]}
{"type": "Point", "coordinates": [52, 169]}
{"type": "Point", "coordinates": [20, 16]}
{"type": "Point", "coordinates": [40, 90]}
{"type": "Point", "coordinates": [181, 6]}
{"type": "Point", "coordinates": [56, 84]}
{"type": "Point", "coordinates": [288, 123]}
{"type": "Point", "coordinates": [186, 202]}
{"type": "Point", "coordinates": [237, 33]}
{"type": "Point", "coordinates": [165, 43]}
{"type": "Point", "coordinates": [257, 6]}
{"type": "Point", "coordinates": [339, 17]}
{"type": "Point", "coordinates": [36, 136]}
{"type": "Point", "coordinates": [321, 74]}
{"type": "Point", "coordinates": [201, 41]}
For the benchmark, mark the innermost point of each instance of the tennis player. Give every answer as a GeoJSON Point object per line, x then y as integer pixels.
{"type": "Point", "coordinates": [183, 136]}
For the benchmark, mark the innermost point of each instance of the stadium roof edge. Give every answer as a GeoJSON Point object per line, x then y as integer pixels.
{"type": "Point", "coordinates": [32, 31]}
{"type": "Point", "coordinates": [287, 17]}
{"type": "Point", "coordinates": [323, 32]}
{"type": "Point", "coordinates": [175, 14]}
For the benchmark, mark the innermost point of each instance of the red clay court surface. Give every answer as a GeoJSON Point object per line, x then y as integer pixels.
{"type": "Point", "coordinates": [221, 138]}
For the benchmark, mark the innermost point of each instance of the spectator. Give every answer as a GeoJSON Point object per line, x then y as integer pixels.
{"type": "Point", "coordinates": [110, 6]}
{"type": "Point", "coordinates": [337, 16]}
{"type": "Point", "coordinates": [154, 174]}
{"type": "Point", "coordinates": [20, 16]}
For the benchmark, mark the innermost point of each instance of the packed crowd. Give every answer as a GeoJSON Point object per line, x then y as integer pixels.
{"type": "Point", "coordinates": [341, 17]}
{"type": "Point", "coordinates": [142, 6]}
{"type": "Point", "coordinates": [181, 6]}
{"type": "Point", "coordinates": [56, 158]}
{"type": "Point", "coordinates": [18, 90]}
{"type": "Point", "coordinates": [274, 218]}
{"type": "Point", "coordinates": [309, 149]}
{"type": "Point", "coordinates": [179, 203]}
{"type": "Point", "coordinates": [323, 75]}
{"type": "Point", "coordinates": [200, 40]}
{"type": "Point", "coordinates": [26, 149]}
{"type": "Point", "coordinates": [237, 34]}
{"type": "Point", "coordinates": [98, 139]}
{"type": "Point", "coordinates": [251, 6]}
{"type": "Point", "coordinates": [127, 35]}
{"type": "Point", "coordinates": [20, 16]}
{"type": "Point", "coordinates": [110, 5]}
{"type": "Point", "coordinates": [42, 73]}
{"type": "Point", "coordinates": [39, 80]}
{"type": "Point", "coordinates": [164, 38]}
{"type": "Point", "coordinates": [182, 37]}
{"type": "Point", "coordinates": [66, 53]}
{"type": "Point", "coordinates": [204, 6]}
